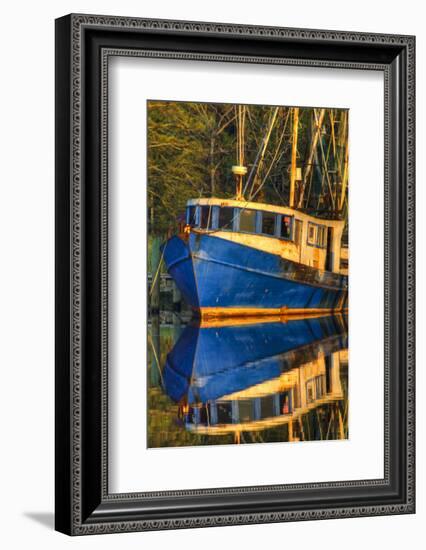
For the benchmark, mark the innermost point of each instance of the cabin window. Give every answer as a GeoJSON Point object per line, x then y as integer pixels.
{"type": "Point", "coordinates": [298, 232]}
{"type": "Point", "coordinates": [322, 236]}
{"type": "Point", "coordinates": [319, 386]}
{"type": "Point", "coordinates": [245, 410]}
{"type": "Point", "coordinates": [203, 415]}
{"type": "Point", "coordinates": [285, 403]}
{"type": "Point", "coordinates": [248, 221]}
{"type": "Point", "coordinates": [226, 218]}
{"type": "Point", "coordinates": [206, 217]}
{"type": "Point", "coordinates": [328, 366]}
{"type": "Point", "coordinates": [268, 223]}
{"type": "Point", "coordinates": [312, 234]}
{"type": "Point", "coordinates": [191, 215]}
{"type": "Point", "coordinates": [344, 263]}
{"type": "Point", "coordinates": [267, 406]}
{"type": "Point", "coordinates": [317, 235]}
{"type": "Point", "coordinates": [310, 391]}
{"type": "Point", "coordinates": [224, 412]}
{"type": "Point", "coordinates": [285, 229]}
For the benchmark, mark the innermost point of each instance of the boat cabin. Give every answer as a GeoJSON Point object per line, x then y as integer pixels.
{"type": "Point", "coordinates": [274, 402]}
{"type": "Point", "coordinates": [284, 231]}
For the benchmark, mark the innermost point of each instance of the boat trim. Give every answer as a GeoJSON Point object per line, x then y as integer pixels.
{"type": "Point", "coordinates": [211, 313]}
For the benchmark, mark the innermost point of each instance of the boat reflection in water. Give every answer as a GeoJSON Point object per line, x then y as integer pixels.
{"type": "Point", "coordinates": [244, 381]}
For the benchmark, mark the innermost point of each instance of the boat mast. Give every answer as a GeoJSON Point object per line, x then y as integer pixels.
{"type": "Point", "coordinates": [293, 173]}
{"type": "Point", "coordinates": [240, 170]}
{"type": "Point", "coordinates": [327, 144]}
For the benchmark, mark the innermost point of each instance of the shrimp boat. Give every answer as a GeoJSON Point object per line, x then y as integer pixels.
{"type": "Point", "coordinates": [235, 257]}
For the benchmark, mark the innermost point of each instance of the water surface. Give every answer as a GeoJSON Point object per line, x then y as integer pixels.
{"type": "Point", "coordinates": [247, 381]}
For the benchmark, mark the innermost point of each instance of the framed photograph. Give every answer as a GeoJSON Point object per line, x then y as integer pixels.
{"type": "Point", "coordinates": [234, 274]}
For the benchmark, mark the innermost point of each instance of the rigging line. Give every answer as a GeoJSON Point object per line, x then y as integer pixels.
{"type": "Point", "coordinates": [262, 148]}
{"type": "Point", "coordinates": [325, 170]}
{"type": "Point", "coordinates": [253, 168]}
{"type": "Point", "coordinates": [251, 197]}
{"type": "Point", "coordinates": [157, 362]}
{"type": "Point", "coordinates": [310, 187]}
{"type": "Point", "coordinates": [267, 138]}
{"type": "Point", "coordinates": [318, 121]}
{"type": "Point", "coordinates": [158, 270]}
{"type": "Point", "coordinates": [278, 148]}
{"type": "Point", "coordinates": [278, 192]}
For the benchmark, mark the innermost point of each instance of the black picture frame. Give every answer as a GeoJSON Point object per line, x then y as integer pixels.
{"type": "Point", "coordinates": [83, 45]}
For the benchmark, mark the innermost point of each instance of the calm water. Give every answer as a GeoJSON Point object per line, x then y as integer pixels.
{"type": "Point", "coordinates": [247, 382]}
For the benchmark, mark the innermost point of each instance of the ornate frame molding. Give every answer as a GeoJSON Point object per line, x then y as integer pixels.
{"type": "Point", "coordinates": [73, 504]}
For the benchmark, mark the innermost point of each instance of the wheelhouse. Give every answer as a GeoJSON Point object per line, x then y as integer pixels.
{"type": "Point", "coordinates": [280, 230]}
{"type": "Point", "coordinates": [239, 411]}
{"type": "Point", "coordinates": [240, 220]}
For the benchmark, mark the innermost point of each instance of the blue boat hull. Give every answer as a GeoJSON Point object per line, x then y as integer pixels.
{"type": "Point", "coordinates": [214, 273]}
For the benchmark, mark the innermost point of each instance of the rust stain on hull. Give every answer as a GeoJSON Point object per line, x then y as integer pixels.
{"type": "Point", "coordinates": [210, 313]}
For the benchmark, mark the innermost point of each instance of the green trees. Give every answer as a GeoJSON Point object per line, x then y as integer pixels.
{"type": "Point", "coordinates": [192, 147]}
{"type": "Point", "coordinates": [189, 155]}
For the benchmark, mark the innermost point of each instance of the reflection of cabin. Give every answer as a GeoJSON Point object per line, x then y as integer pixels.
{"type": "Point", "coordinates": [275, 402]}
{"type": "Point", "coordinates": [279, 230]}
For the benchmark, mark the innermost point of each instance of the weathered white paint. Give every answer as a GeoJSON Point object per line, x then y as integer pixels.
{"type": "Point", "coordinates": [303, 253]}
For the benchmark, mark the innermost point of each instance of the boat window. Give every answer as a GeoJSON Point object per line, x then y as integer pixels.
{"type": "Point", "coordinates": [245, 410]}
{"type": "Point", "coordinates": [285, 229]}
{"type": "Point", "coordinates": [328, 378]}
{"type": "Point", "coordinates": [226, 218]}
{"type": "Point", "coordinates": [191, 213]}
{"type": "Point", "coordinates": [203, 416]}
{"type": "Point", "coordinates": [206, 217]}
{"type": "Point", "coordinates": [268, 223]}
{"type": "Point", "coordinates": [285, 403]}
{"type": "Point", "coordinates": [317, 235]}
{"type": "Point", "coordinates": [267, 406]}
{"type": "Point", "coordinates": [224, 412]}
{"type": "Point", "coordinates": [298, 231]}
{"type": "Point", "coordinates": [189, 417]}
{"type": "Point", "coordinates": [248, 221]}
{"type": "Point", "coordinates": [310, 391]}
{"type": "Point", "coordinates": [322, 233]}
{"type": "Point", "coordinates": [319, 386]}
{"type": "Point", "coordinates": [312, 234]}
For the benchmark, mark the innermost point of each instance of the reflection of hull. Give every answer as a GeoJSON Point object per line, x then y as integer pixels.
{"type": "Point", "coordinates": [219, 277]}
{"type": "Point", "coordinates": [209, 363]}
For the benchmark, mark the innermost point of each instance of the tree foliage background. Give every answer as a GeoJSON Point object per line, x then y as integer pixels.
{"type": "Point", "coordinates": [193, 146]}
